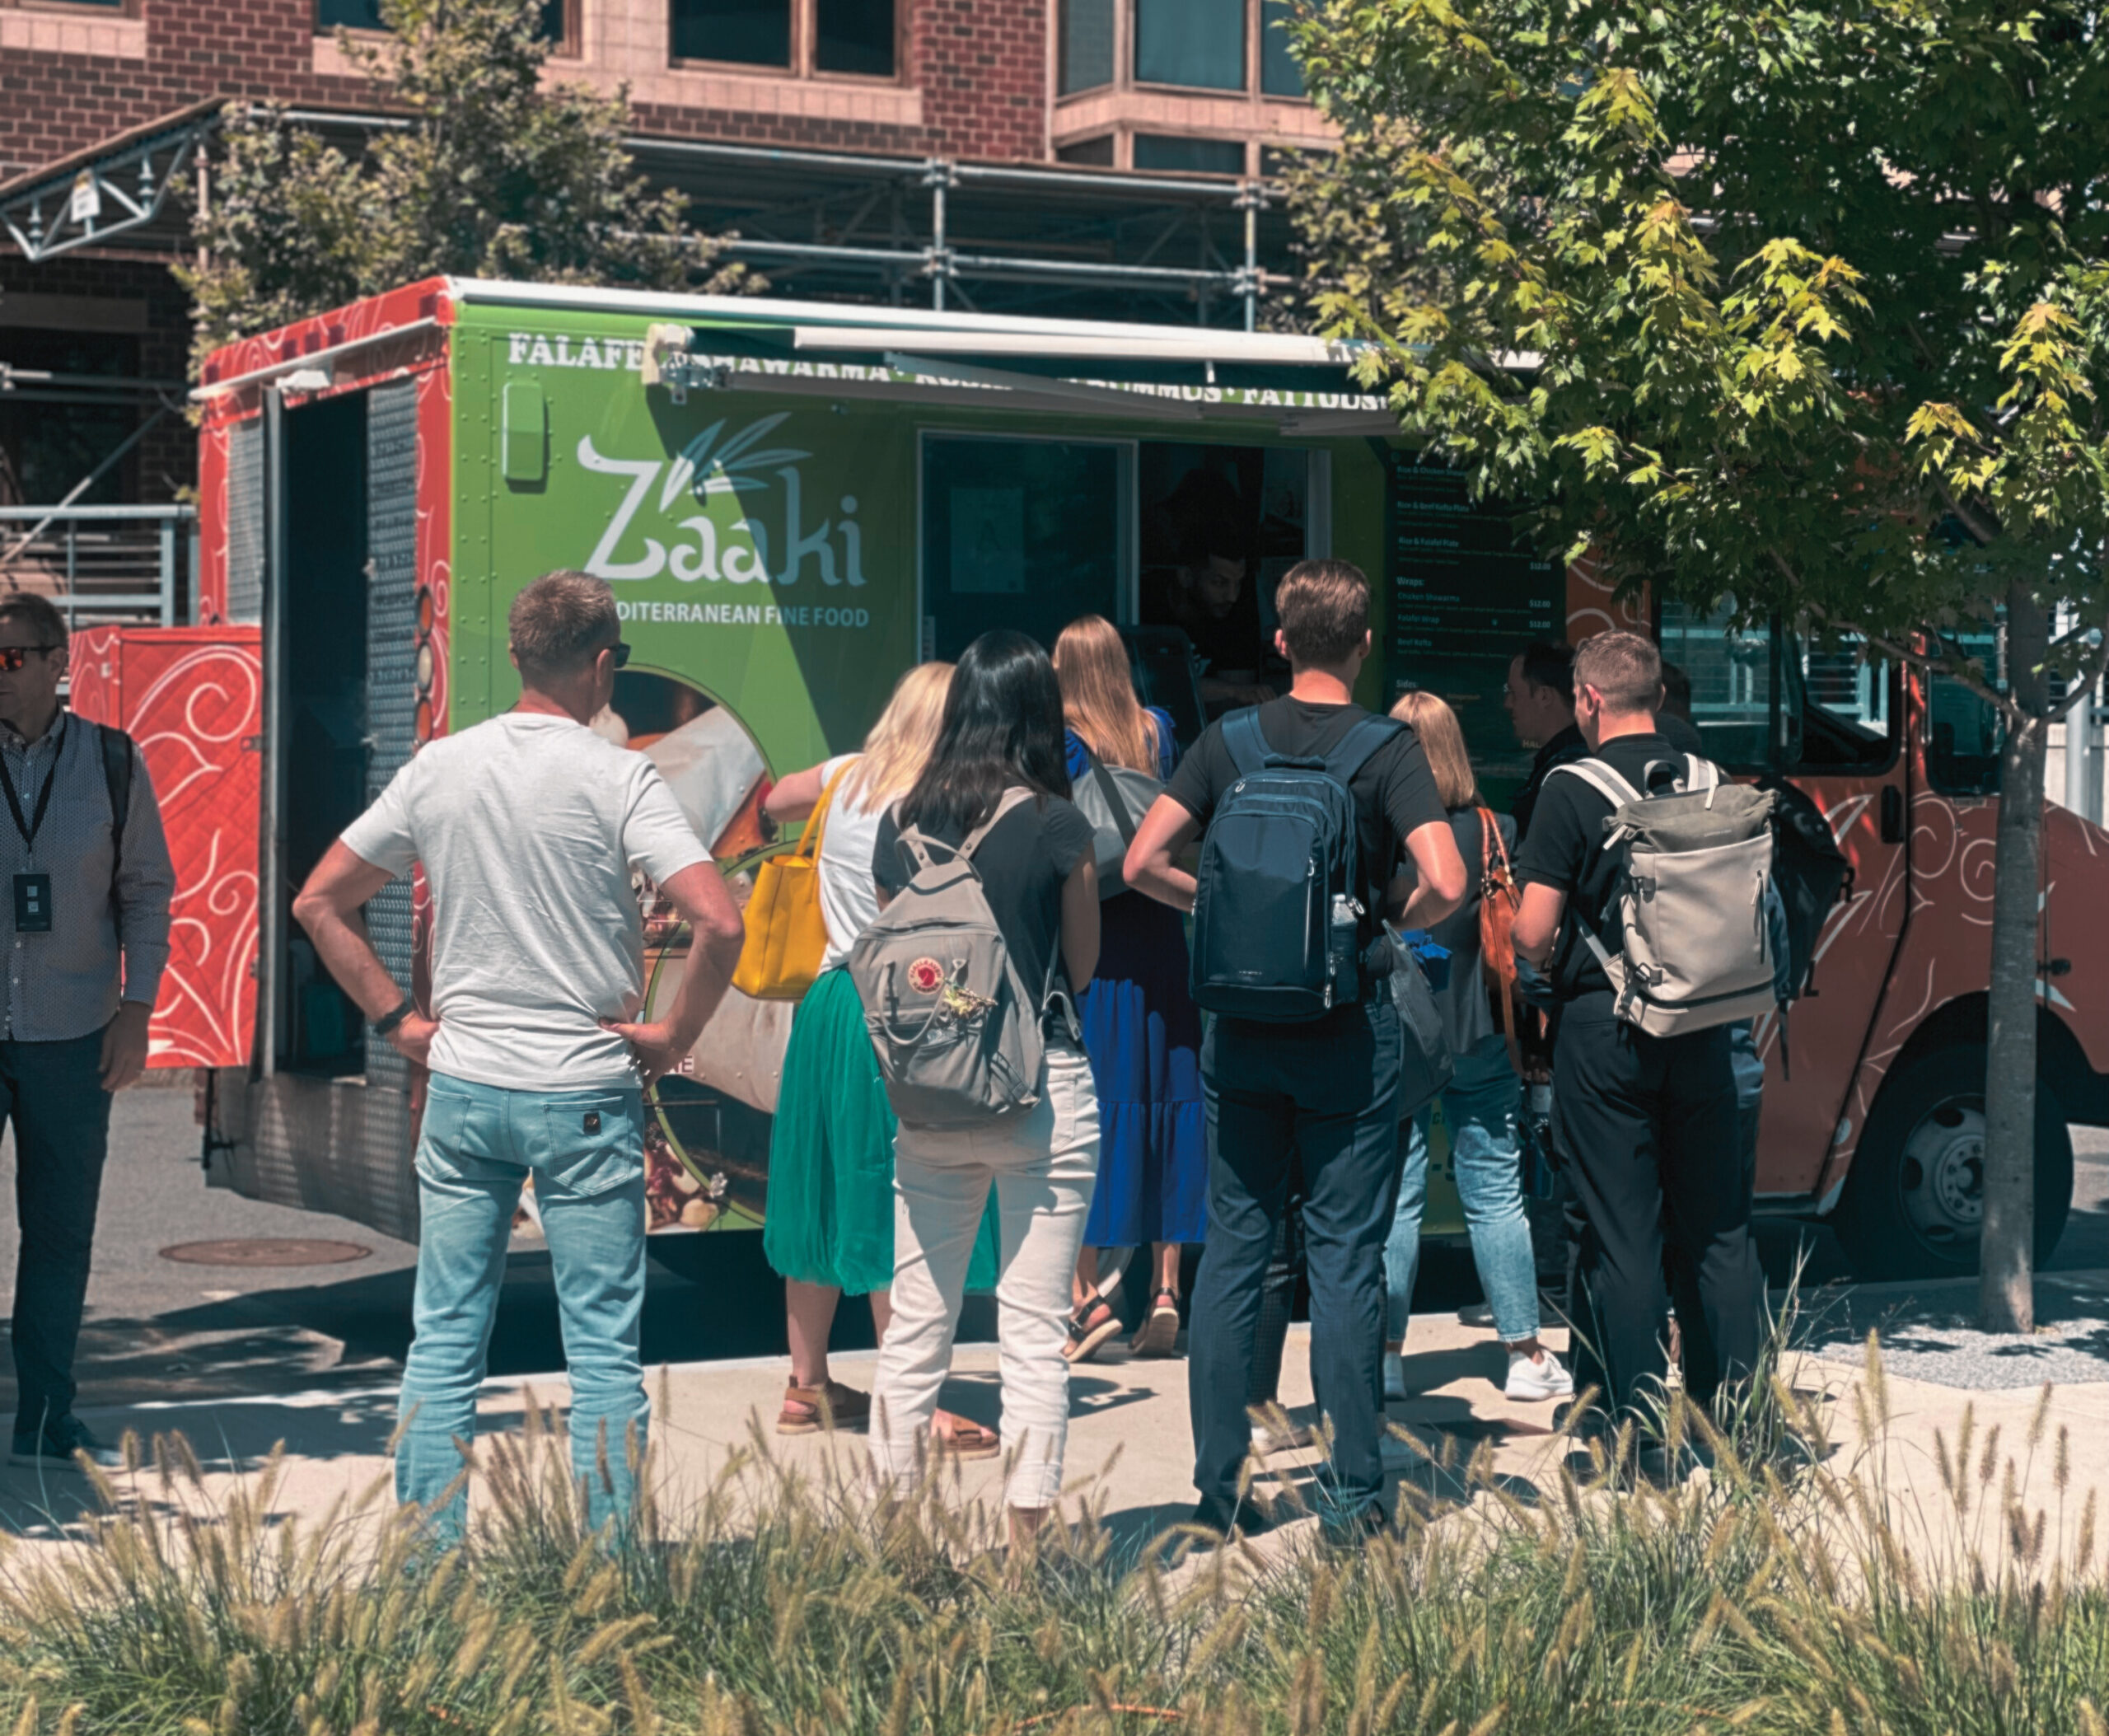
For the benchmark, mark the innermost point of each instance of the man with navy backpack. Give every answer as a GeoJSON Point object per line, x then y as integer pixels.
{"type": "Point", "coordinates": [1303, 806]}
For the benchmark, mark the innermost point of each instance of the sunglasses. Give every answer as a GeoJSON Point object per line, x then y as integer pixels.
{"type": "Point", "coordinates": [622, 654]}
{"type": "Point", "coordinates": [13, 658]}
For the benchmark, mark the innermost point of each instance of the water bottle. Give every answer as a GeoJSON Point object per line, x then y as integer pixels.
{"type": "Point", "coordinates": [1345, 949]}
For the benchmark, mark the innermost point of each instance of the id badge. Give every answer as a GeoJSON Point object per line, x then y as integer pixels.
{"type": "Point", "coordinates": [32, 903]}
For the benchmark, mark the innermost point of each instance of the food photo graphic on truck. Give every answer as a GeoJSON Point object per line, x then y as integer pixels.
{"type": "Point", "coordinates": [795, 502]}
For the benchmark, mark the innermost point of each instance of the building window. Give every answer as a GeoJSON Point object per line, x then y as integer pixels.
{"type": "Point", "coordinates": [1279, 75]}
{"type": "Point", "coordinates": [851, 37]}
{"type": "Point", "coordinates": [1086, 49]}
{"type": "Point", "coordinates": [1095, 151]}
{"type": "Point", "coordinates": [1197, 44]}
{"type": "Point", "coordinates": [1167, 151]}
{"type": "Point", "coordinates": [1235, 45]}
{"type": "Point", "coordinates": [556, 19]}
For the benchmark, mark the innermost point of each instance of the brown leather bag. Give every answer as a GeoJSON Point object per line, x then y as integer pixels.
{"type": "Point", "coordinates": [1500, 898]}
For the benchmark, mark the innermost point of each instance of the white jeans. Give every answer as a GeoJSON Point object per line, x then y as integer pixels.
{"type": "Point", "coordinates": [1043, 1165]}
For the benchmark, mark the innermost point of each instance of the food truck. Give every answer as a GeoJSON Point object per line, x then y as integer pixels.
{"type": "Point", "coordinates": [794, 503]}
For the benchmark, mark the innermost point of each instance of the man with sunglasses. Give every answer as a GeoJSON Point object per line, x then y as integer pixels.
{"type": "Point", "coordinates": [82, 854]}
{"type": "Point", "coordinates": [528, 827]}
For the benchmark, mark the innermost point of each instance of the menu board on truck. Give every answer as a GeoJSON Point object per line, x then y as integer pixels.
{"type": "Point", "coordinates": [1466, 595]}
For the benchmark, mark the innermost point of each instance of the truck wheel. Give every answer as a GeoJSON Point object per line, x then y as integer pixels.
{"type": "Point", "coordinates": [1914, 1202]}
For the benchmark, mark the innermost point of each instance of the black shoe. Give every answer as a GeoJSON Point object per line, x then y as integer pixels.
{"type": "Point", "coordinates": [54, 1449]}
{"type": "Point", "coordinates": [1351, 1531]}
{"type": "Point", "coordinates": [1222, 1522]}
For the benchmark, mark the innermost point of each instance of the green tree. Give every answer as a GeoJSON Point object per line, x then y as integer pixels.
{"type": "Point", "coordinates": [493, 175]}
{"type": "Point", "coordinates": [1803, 307]}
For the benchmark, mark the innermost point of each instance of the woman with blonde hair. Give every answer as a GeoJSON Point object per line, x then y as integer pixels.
{"type": "Point", "coordinates": [1142, 1030]}
{"type": "Point", "coordinates": [830, 1220]}
{"type": "Point", "coordinates": [1482, 1108]}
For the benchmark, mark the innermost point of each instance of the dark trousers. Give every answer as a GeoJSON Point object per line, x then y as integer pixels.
{"type": "Point", "coordinates": [1648, 1126]}
{"type": "Point", "coordinates": [1278, 1298]}
{"type": "Point", "coordinates": [53, 1093]}
{"type": "Point", "coordinates": [1324, 1094]}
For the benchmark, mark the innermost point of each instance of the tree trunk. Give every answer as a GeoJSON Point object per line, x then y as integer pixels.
{"type": "Point", "coordinates": [2006, 1293]}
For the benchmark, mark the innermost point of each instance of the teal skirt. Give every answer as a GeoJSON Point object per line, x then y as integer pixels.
{"type": "Point", "coordinates": [830, 1215]}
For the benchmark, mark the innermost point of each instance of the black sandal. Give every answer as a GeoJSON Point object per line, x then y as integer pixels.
{"type": "Point", "coordinates": [1090, 1328]}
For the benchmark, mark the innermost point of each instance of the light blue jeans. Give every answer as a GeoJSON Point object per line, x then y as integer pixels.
{"type": "Point", "coordinates": [585, 1150]}
{"type": "Point", "coordinates": [1480, 1109]}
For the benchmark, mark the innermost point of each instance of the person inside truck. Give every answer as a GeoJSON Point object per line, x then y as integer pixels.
{"type": "Point", "coordinates": [1208, 590]}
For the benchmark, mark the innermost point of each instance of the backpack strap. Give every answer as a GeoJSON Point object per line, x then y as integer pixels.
{"type": "Point", "coordinates": [1123, 820]}
{"type": "Point", "coordinates": [1016, 793]}
{"type": "Point", "coordinates": [1359, 745]}
{"type": "Point", "coordinates": [917, 843]}
{"type": "Point", "coordinates": [1246, 741]}
{"type": "Point", "coordinates": [117, 780]}
{"type": "Point", "coordinates": [1601, 777]}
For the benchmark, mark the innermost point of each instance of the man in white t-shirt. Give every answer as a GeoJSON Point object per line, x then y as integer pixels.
{"type": "Point", "coordinates": [528, 827]}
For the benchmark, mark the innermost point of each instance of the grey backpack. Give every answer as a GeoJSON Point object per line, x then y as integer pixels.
{"type": "Point", "coordinates": [958, 1034]}
{"type": "Point", "coordinates": [1114, 799]}
{"type": "Point", "coordinates": [1687, 912]}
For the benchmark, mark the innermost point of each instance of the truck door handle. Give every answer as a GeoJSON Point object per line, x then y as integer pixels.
{"type": "Point", "coordinates": [1892, 814]}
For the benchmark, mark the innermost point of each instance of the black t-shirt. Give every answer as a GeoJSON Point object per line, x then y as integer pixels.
{"type": "Point", "coordinates": [1467, 1014]}
{"type": "Point", "coordinates": [1680, 733]}
{"type": "Point", "coordinates": [1565, 849]}
{"type": "Point", "coordinates": [1394, 791]}
{"type": "Point", "coordinates": [1567, 745]}
{"type": "Point", "coordinates": [1022, 861]}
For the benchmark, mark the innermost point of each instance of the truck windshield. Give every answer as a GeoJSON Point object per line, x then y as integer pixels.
{"type": "Point", "coordinates": [1768, 699]}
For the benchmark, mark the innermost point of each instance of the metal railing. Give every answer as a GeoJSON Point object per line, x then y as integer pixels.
{"type": "Point", "coordinates": [101, 563]}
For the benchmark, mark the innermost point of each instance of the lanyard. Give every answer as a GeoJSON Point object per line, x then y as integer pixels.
{"type": "Point", "coordinates": [30, 827]}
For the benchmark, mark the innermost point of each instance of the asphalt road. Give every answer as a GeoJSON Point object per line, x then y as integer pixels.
{"type": "Point", "coordinates": [161, 1329]}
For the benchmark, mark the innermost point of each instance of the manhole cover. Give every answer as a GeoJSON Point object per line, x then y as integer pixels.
{"type": "Point", "coordinates": [265, 1251]}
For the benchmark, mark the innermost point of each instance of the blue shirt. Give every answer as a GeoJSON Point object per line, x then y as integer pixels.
{"type": "Point", "coordinates": [1167, 750]}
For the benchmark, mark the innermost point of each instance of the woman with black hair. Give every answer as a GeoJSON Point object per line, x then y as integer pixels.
{"type": "Point", "coordinates": [1002, 731]}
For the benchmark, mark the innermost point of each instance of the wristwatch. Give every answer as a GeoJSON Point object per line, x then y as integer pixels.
{"type": "Point", "coordinates": [384, 1026]}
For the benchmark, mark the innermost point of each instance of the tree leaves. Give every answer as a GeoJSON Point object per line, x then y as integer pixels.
{"type": "Point", "coordinates": [1803, 306]}
{"type": "Point", "coordinates": [495, 175]}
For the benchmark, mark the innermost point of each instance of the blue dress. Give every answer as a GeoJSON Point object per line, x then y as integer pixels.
{"type": "Point", "coordinates": [1143, 1034]}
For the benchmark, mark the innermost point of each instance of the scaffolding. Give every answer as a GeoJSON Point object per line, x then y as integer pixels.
{"type": "Point", "coordinates": [1054, 239]}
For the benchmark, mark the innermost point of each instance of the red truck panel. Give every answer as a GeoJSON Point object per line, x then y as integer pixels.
{"type": "Point", "coordinates": [192, 698]}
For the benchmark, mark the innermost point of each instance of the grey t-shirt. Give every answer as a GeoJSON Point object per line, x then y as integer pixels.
{"type": "Point", "coordinates": [528, 827]}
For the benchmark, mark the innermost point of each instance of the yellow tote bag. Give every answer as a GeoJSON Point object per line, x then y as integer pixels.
{"type": "Point", "coordinates": [787, 935]}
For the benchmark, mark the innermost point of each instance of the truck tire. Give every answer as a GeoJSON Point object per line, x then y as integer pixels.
{"type": "Point", "coordinates": [1914, 1198]}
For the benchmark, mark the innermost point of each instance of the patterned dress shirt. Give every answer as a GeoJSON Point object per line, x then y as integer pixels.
{"type": "Point", "coordinates": [107, 941]}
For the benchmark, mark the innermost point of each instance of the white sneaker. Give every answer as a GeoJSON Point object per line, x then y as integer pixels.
{"type": "Point", "coordinates": [1266, 1439]}
{"type": "Point", "coordinates": [1394, 1376]}
{"type": "Point", "coordinates": [1531, 1378]}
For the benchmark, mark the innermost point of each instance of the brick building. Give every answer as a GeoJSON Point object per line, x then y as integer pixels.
{"type": "Point", "coordinates": [1080, 156]}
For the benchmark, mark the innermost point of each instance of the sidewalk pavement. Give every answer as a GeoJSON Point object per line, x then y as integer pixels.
{"type": "Point", "coordinates": [1129, 1443]}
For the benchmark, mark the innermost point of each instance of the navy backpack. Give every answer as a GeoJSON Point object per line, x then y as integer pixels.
{"type": "Point", "coordinates": [1278, 904]}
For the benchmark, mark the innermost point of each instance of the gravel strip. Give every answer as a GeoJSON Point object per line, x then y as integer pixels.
{"type": "Point", "coordinates": [1928, 1332]}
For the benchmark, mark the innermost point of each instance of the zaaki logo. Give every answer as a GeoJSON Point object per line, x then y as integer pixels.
{"type": "Point", "coordinates": [731, 547]}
